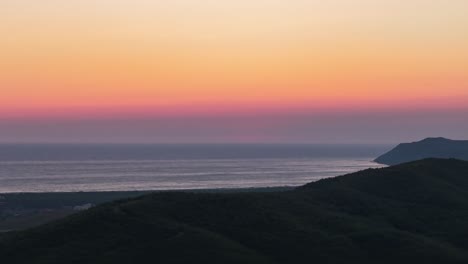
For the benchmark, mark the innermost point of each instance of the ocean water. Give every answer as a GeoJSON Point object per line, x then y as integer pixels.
{"type": "Point", "coordinates": [66, 168]}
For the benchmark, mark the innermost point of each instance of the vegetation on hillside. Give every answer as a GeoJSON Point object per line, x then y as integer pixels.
{"type": "Point", "coordinates": [410, 213]}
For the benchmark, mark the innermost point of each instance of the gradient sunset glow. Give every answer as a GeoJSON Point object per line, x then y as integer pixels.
{"type": "Point", "coordinates": [233, 71]}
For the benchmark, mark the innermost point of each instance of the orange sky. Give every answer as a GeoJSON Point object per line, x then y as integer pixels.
{"type": "Point", "coordinates": [152, 53]}
{"type": "Point", "coordinates": [99, 58]}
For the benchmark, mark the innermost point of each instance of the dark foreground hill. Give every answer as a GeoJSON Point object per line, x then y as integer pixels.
{"type": "Point", "coordinates": [427, 148]}
{"type": "Point", "coordinates": [410, 213]}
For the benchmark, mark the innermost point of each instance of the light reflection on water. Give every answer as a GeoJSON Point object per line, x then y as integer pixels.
{"type": "Point", "coordinates": [46, 168]}
{"type": "Point", "coordinates": [47, 176]}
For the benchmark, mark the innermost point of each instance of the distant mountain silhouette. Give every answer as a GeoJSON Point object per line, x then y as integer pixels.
{"type": "Point", "coordinates": [410, 213]}
{"type": "Point", "coordinates": [427, 148]}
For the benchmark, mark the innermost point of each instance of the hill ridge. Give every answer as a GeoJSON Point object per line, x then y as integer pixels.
{"type": "Point", "coordinates": [435, 147]}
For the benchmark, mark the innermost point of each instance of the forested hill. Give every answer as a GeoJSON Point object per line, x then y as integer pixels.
{"type": "Point", "coordinates": [411, 213]}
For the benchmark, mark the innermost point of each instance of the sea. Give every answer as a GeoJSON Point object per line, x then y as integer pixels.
{"type": "Point", "coordinates": [130, 167]}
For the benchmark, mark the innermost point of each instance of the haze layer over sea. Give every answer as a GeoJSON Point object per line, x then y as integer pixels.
{"type": "Point", "coordinates": [98, 167]}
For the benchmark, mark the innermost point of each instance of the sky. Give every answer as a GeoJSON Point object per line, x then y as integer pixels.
{"type": "Point", "coordinates": [245, 71]}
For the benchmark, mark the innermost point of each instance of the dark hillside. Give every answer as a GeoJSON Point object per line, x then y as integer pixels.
{"type": "Point", "coordinates": [410, 213]}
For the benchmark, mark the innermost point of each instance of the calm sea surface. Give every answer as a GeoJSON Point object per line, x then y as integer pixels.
{"type": "Point", "coordinates": [64, 168]}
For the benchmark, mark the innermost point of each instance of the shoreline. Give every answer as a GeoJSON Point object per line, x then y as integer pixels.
{"type": "Point", "coordinates": [241, 189]}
